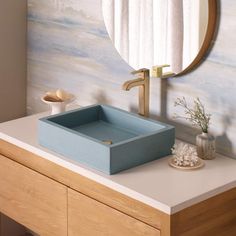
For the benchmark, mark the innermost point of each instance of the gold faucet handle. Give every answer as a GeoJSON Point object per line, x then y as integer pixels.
{"type": "Point", "coordinates": [143, 70]}
{"type": "Point", "coordinates": [157, 71]}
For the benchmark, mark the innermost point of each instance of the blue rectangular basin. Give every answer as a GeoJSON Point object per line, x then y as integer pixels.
{"type": "Point", "coordinates": [106, 138]}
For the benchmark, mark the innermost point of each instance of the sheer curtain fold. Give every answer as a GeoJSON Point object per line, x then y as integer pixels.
{"type": "Point", "coordinates": [134, 32]}
{"type": "Point", "coordinates": [160, 25]}
{"type": "Point", "coordinates": [121, 21]}
{"type": "Point", "coordinates": [147, 32]}
{"type": "Point", "coordinates": [176, 35]}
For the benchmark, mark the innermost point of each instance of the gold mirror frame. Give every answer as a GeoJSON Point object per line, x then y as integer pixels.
{"type": "Point", "coordinates": [211, 29]}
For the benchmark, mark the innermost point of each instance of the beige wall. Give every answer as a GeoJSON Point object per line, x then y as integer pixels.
{"type": "Point", "coordinates": [12, 59]}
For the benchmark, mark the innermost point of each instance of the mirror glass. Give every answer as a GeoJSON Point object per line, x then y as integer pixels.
{"type": "Point", "coordinates": [147, 33]}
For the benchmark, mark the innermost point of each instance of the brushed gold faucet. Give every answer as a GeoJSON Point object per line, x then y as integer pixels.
{"type": "Point", "coordinates": [143, 82]}
{"type": "Point", "coordinates": [157, 72]}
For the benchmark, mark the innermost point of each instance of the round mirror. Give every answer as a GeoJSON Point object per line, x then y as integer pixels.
{"type": "Point", "coordinates": [147, 33]}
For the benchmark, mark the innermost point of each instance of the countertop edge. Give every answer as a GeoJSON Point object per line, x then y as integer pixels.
{"type": "Point", "coordinates": [203, 197]}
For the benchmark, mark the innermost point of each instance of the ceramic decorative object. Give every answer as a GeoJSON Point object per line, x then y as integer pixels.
{"type": "Point", "coordinates": [185, 157]}
{"type": "Point", "coordinates": [198, 117]}
{"type": "Point", "coordinates": [57, 100]}
{"type": "Point", "coordinates": [206, 146]}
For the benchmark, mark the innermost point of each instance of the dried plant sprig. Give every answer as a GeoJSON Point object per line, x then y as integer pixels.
{"type": "Point", "coordinates": [196, 115]}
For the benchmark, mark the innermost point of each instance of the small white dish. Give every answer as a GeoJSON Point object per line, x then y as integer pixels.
{"type": "Point", "coordinates": [199, 164]}
{"type": "Point", "coordinates": [58, 107]}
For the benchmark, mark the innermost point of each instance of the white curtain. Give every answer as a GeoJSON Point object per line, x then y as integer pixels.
{"type": "Point", "coordinates": [151, 32]}
{"type": "Point", "coordinates": [175, 35]}
{"type": "Point", "coordinates": [195, 27]}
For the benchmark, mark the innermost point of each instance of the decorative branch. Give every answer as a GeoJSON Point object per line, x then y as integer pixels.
{"type": "Point", "coordinates": [196, 115]}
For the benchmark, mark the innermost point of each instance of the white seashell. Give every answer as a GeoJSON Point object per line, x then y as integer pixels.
{"type": "Point", "coordinates": [52, 94]}
{"type": "Point", "coordinates": [63, 95]}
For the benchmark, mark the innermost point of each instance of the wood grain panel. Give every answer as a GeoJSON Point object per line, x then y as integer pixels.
{"type": "Point", "coordinates": [88, 217]}
{"type": "Point", "coordinates": [84, 185]}
{"type": "Point", "coordinates": [33, 200]}
{"type": "Point", "coordinates": [213, 217]}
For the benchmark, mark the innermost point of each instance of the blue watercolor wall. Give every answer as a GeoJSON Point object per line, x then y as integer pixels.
{"type": "Point", "coordinates": [69, 48]}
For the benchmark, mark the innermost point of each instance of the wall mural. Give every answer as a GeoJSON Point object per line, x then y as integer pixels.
{"type": "Point", "coordinates": [69, 48]}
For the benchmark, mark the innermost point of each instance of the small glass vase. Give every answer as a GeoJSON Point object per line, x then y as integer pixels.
{"type": "Point", "coordinates": [205, 143]}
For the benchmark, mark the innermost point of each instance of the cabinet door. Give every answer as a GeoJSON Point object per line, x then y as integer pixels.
{"type": "Point", "coordinates": [32, 199]}
{"type": "Point", "coordinates": [87, 217]}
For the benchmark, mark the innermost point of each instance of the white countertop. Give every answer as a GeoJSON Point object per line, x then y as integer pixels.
{"type": "Point", "coordinates": [155, 183]}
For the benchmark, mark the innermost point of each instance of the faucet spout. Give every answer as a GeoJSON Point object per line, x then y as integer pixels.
{"type": "Point", "coordinates": [132, 83]}
{"type": "Point", "coordinates": [143, 82]}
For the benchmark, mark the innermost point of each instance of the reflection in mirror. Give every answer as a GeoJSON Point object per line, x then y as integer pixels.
{"type": "Point", "coordinates": [155, 32]}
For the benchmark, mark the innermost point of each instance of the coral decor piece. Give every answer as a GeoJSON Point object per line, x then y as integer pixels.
{"type": "Point", "coordinates": [185, 157]}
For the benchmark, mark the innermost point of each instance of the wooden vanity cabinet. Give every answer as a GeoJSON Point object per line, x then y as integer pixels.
{"type": "Point", "coordinates": [32, 199]}
{"type": "Point", "coordinates": [54, 201]}
{"type": "Point", "coordinates": [50, 208]}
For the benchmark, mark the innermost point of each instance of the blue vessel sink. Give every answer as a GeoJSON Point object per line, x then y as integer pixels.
{"type": "Point", "coordinates": [106, 138]}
